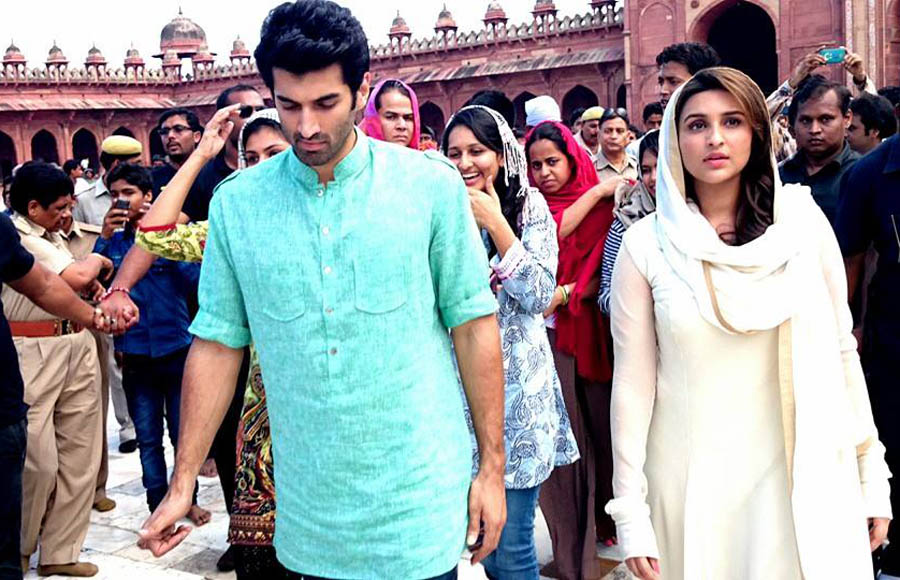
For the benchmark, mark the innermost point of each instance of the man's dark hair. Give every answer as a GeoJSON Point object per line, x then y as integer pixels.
{"type": "Point", "coordinates": [576, 116]}
{"type": "Point", "coordinates": [891, 93]}
{"type": "Point", "coordinates": [875, 112]}
{"type": "Point", "coordinates": [224, 98]}
{"type": "Point", "coordinates": [309, 35]}
{"type": "Point", "coordinates": [496, 100]}
{"type": "Point", "coordinates": [132, 174]}
{"type": "Point", "coordinates": [41, 182]}
{"type": "Point", "coordinates": [426, 130]}
{"type": "Point", "coordinates": [693, 55]}
{"type": "Point", "coordinates": [612, 113]}
{"type": "Point", "coordinates": [189, 116]}
{"type": "Point", "coordinates": [636, 131]}
{"type": "Point", "coordinates": [652, 109]}
{"type": "Point", "coordinates": [70, 166]}
{"type": "Point", "coordinates": [815, 87]}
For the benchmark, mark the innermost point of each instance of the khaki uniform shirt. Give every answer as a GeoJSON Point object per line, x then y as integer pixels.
{"type": "Point", "coordinates": [49, 250]}
{"type": "Point", "coordinates": [81, 239]}
{"type": "Point", "coordinates": [606, 170]}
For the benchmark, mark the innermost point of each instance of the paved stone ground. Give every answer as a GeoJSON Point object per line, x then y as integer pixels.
{"type": "Point", "coordinates": [111, 540]}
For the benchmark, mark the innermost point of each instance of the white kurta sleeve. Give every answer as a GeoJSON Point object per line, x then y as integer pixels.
{"type": "Point", "coordinates": [873, 470]}
{"type": "Point", "coordinates": [633, 393]}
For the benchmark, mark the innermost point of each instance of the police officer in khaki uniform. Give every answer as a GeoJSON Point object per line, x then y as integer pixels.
{"type": "Point", "coordinates": [61, 373]}
{"type": "Point", "coordinates": [80, 238]}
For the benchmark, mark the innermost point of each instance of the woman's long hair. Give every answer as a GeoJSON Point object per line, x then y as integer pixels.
{"type": "Point", "coordinates": [485, 129]}
{"type": "Point", "coordinates": [755, 212]}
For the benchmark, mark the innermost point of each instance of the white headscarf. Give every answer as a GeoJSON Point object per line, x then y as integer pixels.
{"type": "Point", "coordinates": [271, 114]}
{"type": "Point", "coordinates": [754, 287]}
{"type": "Point", "coordinates": [514, 160]}
{"type": "Point", "coordinates": [540, 109]}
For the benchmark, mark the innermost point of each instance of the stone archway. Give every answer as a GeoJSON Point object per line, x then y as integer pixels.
{"type": "Point", "coordinates": [43, 146]}
{"type": "Point", "coordinates": [432, 116]}
{"type": "Point", "coordinates": [892, 45]}
{"type": "Point", "coordinates": [8, 158]}
{"type": "Point", "coordinates": [519, 104]}
{"type": "Point", "coordinates": [156, 145]}
{"type": "Point", "coordinates": [579, 97]}
{"type": "Point", "coordinates": [744, 36]}
{"type": "Point", "coordinates": [124, 131]}
{"type": "Point", "coordinates": [84, 146]}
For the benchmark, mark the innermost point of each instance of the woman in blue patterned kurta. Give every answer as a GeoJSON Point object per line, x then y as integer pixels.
{"type": "Point", "coordinates": [520, 238]}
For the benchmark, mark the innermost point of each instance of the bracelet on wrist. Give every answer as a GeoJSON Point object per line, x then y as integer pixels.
{"type": "Point", "coordinates": [565, 295]}
{"type": "Point", "coordinates": [113, 290]}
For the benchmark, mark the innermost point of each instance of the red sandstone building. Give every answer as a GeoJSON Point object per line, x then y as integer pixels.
{"type": "Point", "coordinates": [605, 56]}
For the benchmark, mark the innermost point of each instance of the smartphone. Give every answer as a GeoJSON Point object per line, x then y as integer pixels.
{"type": "Point", "coordinates": [121, 204]}
{"type": "Point", "coordinates": [833, 55]}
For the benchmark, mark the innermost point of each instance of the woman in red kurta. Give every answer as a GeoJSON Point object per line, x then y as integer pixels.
{"type": "Point", "coordinates": [573, 497]}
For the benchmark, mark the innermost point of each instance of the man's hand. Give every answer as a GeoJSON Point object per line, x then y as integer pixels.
{"type": "Point", "coordinates": [216, 132]}
{"type": "Point", "coordinates": [487, 513]}
{"type": "Point", "coordinates": [805, 67]}
{"type": "Point", "coordinates": [121, 312]}
{"type": "Point", "coordinates": [856, 67]}
{"type": "Point", "coordinates": [115, 220]}
{"type": "Point", "coordinates": [878, 531]}
{"type": "Point", "coordinates": [159, 534]}
{"type": "Point", "coordinates": [106, 266]}
{"type": "Point", "coordinates": [643, 568]}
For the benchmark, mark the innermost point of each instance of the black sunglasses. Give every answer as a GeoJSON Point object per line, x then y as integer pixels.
{"type": "Point", "coordinates": [246, 110]}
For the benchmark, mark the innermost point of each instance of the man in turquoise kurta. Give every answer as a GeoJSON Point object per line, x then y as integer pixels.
{"type": "Point", "coordinates": [348, 260]}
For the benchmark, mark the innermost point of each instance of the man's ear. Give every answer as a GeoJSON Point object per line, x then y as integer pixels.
{"type": "Point", "coordinates": [197, 136]}
{"type": "Point", "coordinates": [33, 206]}
{"type": "Point", "coordinates": [362, 94]}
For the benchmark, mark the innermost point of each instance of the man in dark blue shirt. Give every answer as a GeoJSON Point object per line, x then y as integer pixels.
{"type": "Point", "coordinates": [155, 349]}
{"type": "Point", "coordinates": [869, 214]}
{"type": "Point", "coordinates": [19, 270]}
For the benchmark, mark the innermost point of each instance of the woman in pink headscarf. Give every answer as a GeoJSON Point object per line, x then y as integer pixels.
{"type": "Point", "coordinates": [392, 114]}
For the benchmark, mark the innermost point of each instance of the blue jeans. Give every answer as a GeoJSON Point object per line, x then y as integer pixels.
{"type": "Point", "coordinates": [12, 462]}
{"type": "Point", "coordinates": [153, 390]}
{"type": "Point", "coordinates": [515, 557]}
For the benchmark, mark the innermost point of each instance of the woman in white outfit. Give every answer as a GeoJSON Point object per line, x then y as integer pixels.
{"type": "Point", "coordinates": [744, 446]}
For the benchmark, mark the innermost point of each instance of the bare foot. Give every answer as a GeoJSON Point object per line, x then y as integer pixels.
{"type": "Point", "coordinates": [199, 516]}
{"type": "Point", "coordinates": [209, 469]}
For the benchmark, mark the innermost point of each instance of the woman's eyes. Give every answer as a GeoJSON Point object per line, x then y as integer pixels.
{"type": "Point", "coordinates": [696, 125]}
{"type": "Point", "coordinates": [733, 122]}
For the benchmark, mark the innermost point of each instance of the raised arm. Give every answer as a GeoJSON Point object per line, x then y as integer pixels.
{"type": "Point", "coordinates": [528, 267]}
{"type": "Point", "coordinates": [579, 210]}
{"type": "Point", "coordinates": [167, 207]}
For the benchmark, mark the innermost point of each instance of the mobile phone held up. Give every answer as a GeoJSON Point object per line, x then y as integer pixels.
{"type": "Point", "coordinates": [833, 55]}
{"type": "Point", "coordinates": [121, 204]}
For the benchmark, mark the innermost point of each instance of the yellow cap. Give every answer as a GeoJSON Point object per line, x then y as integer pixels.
{"type": "Point", "coordinates": [592, 114]}
{"type": "Point", "coordinates": [122, 145]}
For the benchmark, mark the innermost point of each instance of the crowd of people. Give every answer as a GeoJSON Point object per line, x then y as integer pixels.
{"type": "Point", "coordinates": [396, 341]}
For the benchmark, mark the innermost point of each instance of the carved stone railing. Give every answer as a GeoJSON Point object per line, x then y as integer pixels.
{"type": "Point", "coordinates": [610, 17]}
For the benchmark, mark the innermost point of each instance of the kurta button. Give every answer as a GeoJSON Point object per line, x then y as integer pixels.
{"type": "Point", "coordinates": [333, 351]}
{"type": "Point", "coordinates": [327, 270]}
{"type": "Point", "coordinates": [329, 310]}
{"type": "Point", "coordinates": [326, 230]}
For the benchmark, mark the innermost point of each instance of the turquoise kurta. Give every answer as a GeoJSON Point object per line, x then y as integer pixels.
{"type": "Point", "coordinates": [348, 292]}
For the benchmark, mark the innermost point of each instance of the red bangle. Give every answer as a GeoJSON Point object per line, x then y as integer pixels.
{"type": "Point", "coordinates": [112, 291]}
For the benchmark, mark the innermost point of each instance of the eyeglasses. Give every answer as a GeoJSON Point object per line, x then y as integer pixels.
{"type": "Point", "coordinates": [164, 131]}
{"type": "Point", "coordinates": [246, 110]}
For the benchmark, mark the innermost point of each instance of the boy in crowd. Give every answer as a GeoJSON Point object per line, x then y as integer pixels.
{"type": "Point", "coordinates": [155, 349]}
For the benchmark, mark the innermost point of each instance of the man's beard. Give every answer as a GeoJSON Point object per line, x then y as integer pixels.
{"type": "Point", "coordinates": [333, 145]}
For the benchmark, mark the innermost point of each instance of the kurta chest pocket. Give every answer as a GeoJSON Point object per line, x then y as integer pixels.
{"type": "Point", "coordinates": [381, 278]}
{"type": "Point", "coordinates": [283, 297]}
